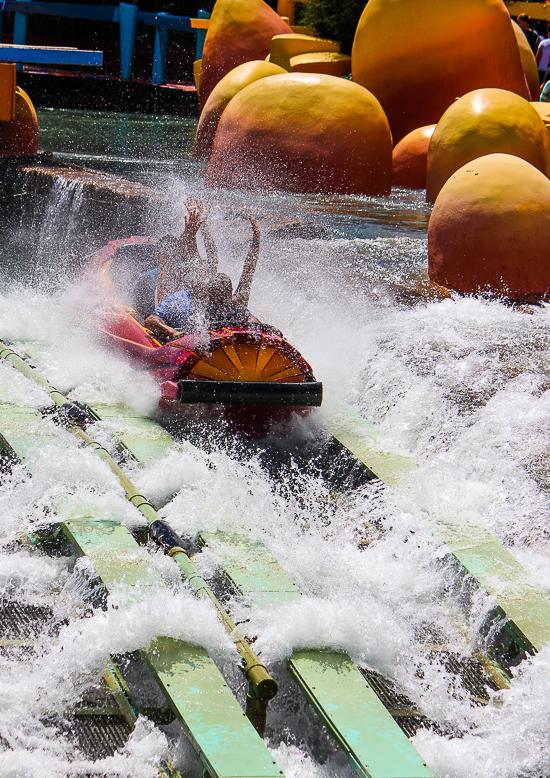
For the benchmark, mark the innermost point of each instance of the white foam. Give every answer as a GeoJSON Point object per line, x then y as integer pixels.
{"type": "Point", "coordinates": [461, 384]}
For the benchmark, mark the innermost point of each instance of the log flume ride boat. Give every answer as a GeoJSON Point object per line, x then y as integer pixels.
{"type": "Point", "coordinates": [249, 376]}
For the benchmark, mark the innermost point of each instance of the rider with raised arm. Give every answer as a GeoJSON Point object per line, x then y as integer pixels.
{"type": "Point", "coordinates": [209, 303]}
{"type": "Point", "coordinates": [179, 262]}
{"type": "Point", "coordinates": [184, 266]}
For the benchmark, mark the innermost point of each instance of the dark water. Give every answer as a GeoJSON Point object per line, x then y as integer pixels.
{"type": "Point", "coordinates": [129, 144]}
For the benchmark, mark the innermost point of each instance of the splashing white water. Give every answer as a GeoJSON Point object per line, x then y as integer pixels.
{"type": "Point", "coordinates": [463, 385]}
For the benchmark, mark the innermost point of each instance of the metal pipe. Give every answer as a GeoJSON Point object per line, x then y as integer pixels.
{"type": "Point", "coordinates": [250, 392]}
{"type": "Point", "coordinates": [263, 686]}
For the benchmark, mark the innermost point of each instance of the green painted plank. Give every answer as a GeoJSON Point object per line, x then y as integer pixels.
{"type": "Point", "coordinates": [495, 569]}
{"type": "Point", "coordinates": [374, 743]}
{"type": "Point", "coordinates": [380, 455]}
{"type": "Point", "coordinates": [521, 599]}
{"type": "Point", "coordinates": [146, 439]}
{"type": "Point", "coordinates": [219, 729]}
{"type": "Point", "coordinates": [252, 568]}
{"type": "Point", "coordinates": [23, 431]}
{"type": "Point", "coordinates": [226, 742]}
{"type": "Point", "coordinates": [112, 550]}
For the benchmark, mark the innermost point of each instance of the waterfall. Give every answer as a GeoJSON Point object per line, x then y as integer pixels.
{"type": "Point", "coordinates": [52, 216]}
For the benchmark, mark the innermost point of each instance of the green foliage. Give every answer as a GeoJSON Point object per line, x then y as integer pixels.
{"type": "Point", "coordinates": [335, 19]}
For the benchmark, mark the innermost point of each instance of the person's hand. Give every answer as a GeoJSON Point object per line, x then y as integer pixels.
{"type": "Point", "coordinates": [255, 228]}
{"type": "Point", "coordinates": [198, 213]}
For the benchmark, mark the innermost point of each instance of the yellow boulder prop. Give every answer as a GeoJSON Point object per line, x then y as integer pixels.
{"type": "Point", "coordinates": [299, 53]}
{"type": "Point", "coordinates": [19, 138]}
{"type": "Point", "coordinates": [528, 61]}
{"type": "Point", "coordinates": [197, 65]}
{"type": "Point", "coordinates": [302, 132]}
{"type": "Point", "coordinates": [543, 110]}
{"type": "Point", "coordinates": [410, 158]}
{"type": "Point", "coordinates": [284, 47]}
{"type": "Point", "coordinates": [239, 31]}
{"type": "Point", "coordinates": [328, 62]}
{"type": "Point", "coordinates": [483, 122]}
{"type": "Point", "coordinates": [489, 230]}
{"type": "Point", "coordinates": [417, 56]}
{"type": "Point", "coordinates": [224, 91]}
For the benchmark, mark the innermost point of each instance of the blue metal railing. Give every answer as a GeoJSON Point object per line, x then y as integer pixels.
{"type": "Point", "coordinates": [124, 14]}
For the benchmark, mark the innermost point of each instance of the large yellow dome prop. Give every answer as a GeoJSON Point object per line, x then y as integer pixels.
{"type": "Point", "coordinates": [303, 132]}
{"type": "Point", "coordinates": [224, 91]}
{"type": "Point", "coordinates": [489, 230]}
{"type": "Point", "coordinates": [239, 31]}
{"type": "Point", "coordinates": [483, 122]}
{"type": "Point", "coordinates": [417, 56]}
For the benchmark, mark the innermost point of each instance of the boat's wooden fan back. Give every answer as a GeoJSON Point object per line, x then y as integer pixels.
{"type": "Point", "coordinates": [250, 357]}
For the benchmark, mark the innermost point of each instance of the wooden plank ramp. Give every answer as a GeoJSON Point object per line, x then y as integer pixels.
{"type": "Point", "coordinates": [226, 742]}
{"type": "Point", "coordinates": [523, 605]}
{"type": "Point", "coordinates": [360, 723]}
{"type": "Point", "coordinates": [373, 742]}
{"type": "Point", "coordinates": [330, 680]}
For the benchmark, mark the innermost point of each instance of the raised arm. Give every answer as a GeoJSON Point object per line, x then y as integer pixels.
{"type": "Point", "coordinates": [211, 250]}
{"type": "Point", "coordinates": [242, 293]}
{"type": "Point", "coordinates": [185, 259]}
{"type": "Point", "coordinates": [186, 249]}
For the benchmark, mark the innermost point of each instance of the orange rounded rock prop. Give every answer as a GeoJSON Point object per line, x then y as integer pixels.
{"type": "Point", "coordinates": [482, 122]}
{"type": "Point", "coordinates": [489, 230]}
{"type": "Point", "coordinates": [239, 31]}
{"type": "Point", "coordinates": [223, 92]}
{"type": "Point", "coordinates": [417, 56]}
{"type": "Point", "coordinates": [19, 138]}
{"type": "Point", "coordinates": [301, 132]}
{"type": "Point", "coordinates": [410, 158]}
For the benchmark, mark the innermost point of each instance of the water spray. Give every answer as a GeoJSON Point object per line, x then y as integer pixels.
{"type": "Point", "coordinates": [262, 687]}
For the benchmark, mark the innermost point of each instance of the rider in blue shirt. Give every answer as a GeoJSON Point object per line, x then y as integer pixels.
{"type": "Point", "coordinates": [179, 263]}
{"type": "Point", "coordinates": [176, 310]}
{"type": "Point", "coordinates": [210, 304]}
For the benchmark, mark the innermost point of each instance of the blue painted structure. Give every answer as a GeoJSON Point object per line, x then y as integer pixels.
{"type": "Point", "coordinates": [127, 19]}
{"type": "Point", "coordinates": [201, 34]}
{"type": "Point", "coordinates": [49, 55]}
{"type": "Point", "coordinates": [125, 15]}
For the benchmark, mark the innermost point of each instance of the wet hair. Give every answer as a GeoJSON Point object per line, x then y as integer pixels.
{"type": "Point", "coordinates": [166, 242]}
{"type": "Point", "coordinates": [200, 289]}
{"type": "Point", "coordinates": [220, 285]}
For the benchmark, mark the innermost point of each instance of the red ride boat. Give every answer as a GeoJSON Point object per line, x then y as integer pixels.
{"type": "Point", "coordinates": [250, 376]}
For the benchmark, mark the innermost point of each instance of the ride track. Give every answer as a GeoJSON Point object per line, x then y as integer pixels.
{"type": "Point", "coordinates": [366, 716]}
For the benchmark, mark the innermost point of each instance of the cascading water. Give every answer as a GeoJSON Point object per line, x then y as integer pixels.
{"type": "Point", "coordinates": [462, 385]}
